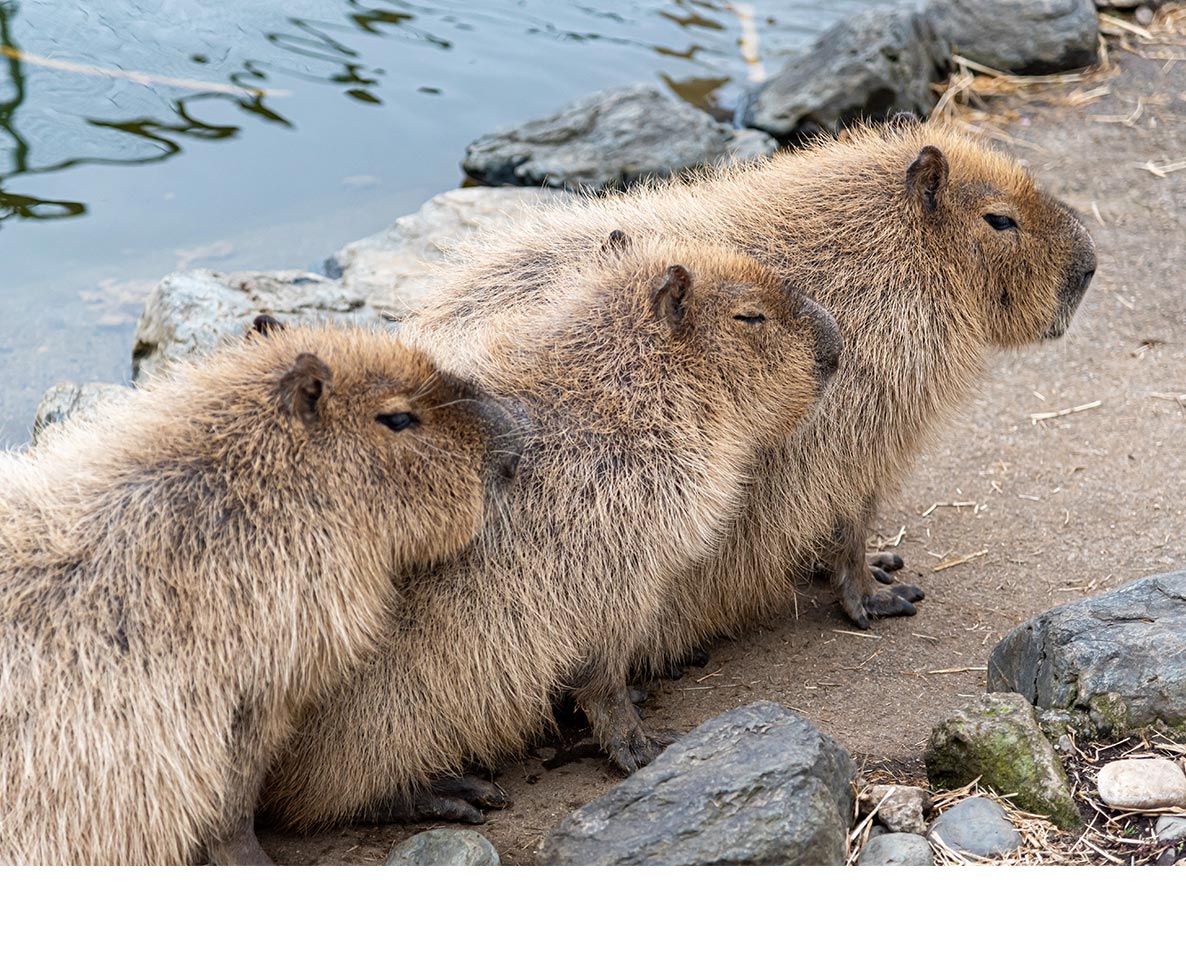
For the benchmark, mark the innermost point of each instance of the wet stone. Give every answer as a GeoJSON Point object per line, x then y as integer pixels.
{"type": "Point", "coordinates": [897, 849]}
{"type": "Point", "coordinates": [977, 826]}
{"type": "Point", "coordinates": [444, 847]}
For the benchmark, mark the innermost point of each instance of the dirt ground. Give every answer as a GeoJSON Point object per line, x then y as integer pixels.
{"type": "Point", "coordinates": [1046, 510]}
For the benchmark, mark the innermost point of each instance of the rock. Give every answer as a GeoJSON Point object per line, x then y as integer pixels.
{"type": "Point", "coordinates": [1115, 661]}
{"type": "Point", "coordinates": [871, 65]}
{"type": "Point", "coordinates": [608, 139]}
{"type": "Point", "coordinates": [1143, 783]}
{"type": "Point", "coordinates": [996, 738]}
{"type": "Point", "coordinates": [897, 849]}
{"type": "Point", "coordinates": [194, 311]}
{"type": "Point", "coordinates": [392, 270]}
{"type": "Point", "coordinates": [1020, 36]}
{"type": "Point", "coordinates": [68, 400]}
{"type": "Point", "coordinates": [444, 847]}
{"type": "Point", "coordinates": [1170, 828]}
{"type": "Point", "coordinates": [899, 807]}
{"type": "Point", "coordinates": [757, 785]}
{"type": "Point", "coordinates": [977, 826]}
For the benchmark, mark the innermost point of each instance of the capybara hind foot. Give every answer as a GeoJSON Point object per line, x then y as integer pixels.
{"type": "Point", "coordinates": [638, 748]}
{"type": "Point", "coordinates": [696, 657]}
{"type": "Point", "coordinates": [455, 798]}
{"type": "Point", "coordinates": [241, 848]}
{"type": "Point", "coordinates": [883, 564]}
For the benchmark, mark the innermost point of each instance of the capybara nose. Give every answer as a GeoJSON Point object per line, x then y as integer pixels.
{"type": "Point", "coordinates": [506, 426]}
{"type": "Point", "coordinates": [1087, 278]}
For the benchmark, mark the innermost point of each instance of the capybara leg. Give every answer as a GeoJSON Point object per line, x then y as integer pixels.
{"type": "Point", "coordinates": [853, 577]}
{"type": "Point", "coordinates": [240, 848]}
{"type": "Point", "coordinates": [617, 727]}
{"type": "Point", "coordinates": [456, 798]}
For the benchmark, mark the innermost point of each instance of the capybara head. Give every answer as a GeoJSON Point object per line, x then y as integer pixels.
{"type": "Point", "coordinates": [1022, 258]}
{"type": "Point", "coordinates": [357, 432]}
{"type": "Point", "coordinates": [765, 344]}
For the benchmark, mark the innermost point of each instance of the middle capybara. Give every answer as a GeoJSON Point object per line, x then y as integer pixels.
{"type": "Point", "coordinates": [648, 384]}
{"type": "Point", "coordinates": [929, 248]}
{"type": "Point", "coordinates": [183, 571]}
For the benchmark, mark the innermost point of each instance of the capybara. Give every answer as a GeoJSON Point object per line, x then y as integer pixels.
{"type": "Point", "coordinates": [648, 383]}
{"type": "Point", "coordinates": [929, 248]}
{"type": "Point", "coordinates": [184, 570]}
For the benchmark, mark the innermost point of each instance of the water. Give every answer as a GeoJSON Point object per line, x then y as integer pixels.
{"type": "Point", "coordinates": [108, 182]}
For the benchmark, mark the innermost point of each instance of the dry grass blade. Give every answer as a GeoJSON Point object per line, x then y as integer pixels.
{"type": "Point", "coordinates": [1062, 413]}
{"type": "Point", "coordinates": [957, 561]}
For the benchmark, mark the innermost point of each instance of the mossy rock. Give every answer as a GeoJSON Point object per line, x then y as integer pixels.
{"type": "Point", "coordinates": [996, 738]}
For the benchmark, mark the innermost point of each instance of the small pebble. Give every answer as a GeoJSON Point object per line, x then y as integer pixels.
{"type": "Point", "coordinates": [977, 826]}
{"type": "Point", "coordinates": [1170, 828]}
{"type": "Point", "coordinates": [444, 847]}
{"type": "Point", "coordinates": [1142, 783]}
{"type": "Point", "coordinates": [897, 849]}
{"type": "Point", "coordinates": [901, 807]}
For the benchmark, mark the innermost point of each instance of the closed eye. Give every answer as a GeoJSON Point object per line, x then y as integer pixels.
{"type": "Point", "coordinates": [399, 421]}
{"type": "Point", "coordinates": [999, 223]}
{"type": "Point", "coordinates": [750, 318]}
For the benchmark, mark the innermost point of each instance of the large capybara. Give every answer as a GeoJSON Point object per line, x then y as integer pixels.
{"type": "Point", "coordinates": [929, 248]}
{"type": "Point", "coordinates": [183, 571]}
{"type": "Point", "coordinates": [649, 383]}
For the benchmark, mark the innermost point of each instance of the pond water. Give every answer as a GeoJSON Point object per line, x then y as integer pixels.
{"type": "Point", "coordinates": [137, 138]}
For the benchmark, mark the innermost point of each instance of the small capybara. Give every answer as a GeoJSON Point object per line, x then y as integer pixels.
{"type": "Point", "coordinates": [181, 572]}
{"type": "Point", "coordinates": [648, 385]}
{"type": "Point", "coordinates": [929, 248]}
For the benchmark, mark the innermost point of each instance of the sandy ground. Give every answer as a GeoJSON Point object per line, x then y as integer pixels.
{"type": "Point", "coordinates": [1060, 507]}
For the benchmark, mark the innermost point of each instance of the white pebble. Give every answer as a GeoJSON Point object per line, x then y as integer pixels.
{"type": "Point", "coordinates": [1141, 783]}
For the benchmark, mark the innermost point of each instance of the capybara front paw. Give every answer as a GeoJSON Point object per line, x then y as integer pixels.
{"type": "Point", "coordinates": [640, 749]}
{"type": "Point", "coordinates": [896, 600]}
{"type": "Point", "coordinates": [456, 798]}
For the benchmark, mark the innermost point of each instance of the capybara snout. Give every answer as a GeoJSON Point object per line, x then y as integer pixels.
{"type": "Point", "coordinates": [828, 343]}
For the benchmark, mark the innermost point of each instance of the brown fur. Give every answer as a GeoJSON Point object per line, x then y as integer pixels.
{"type": "Point", "coordinates": [886, 229]}
{"type": "Point", "coordinates": [182, 572]}
{"type": "Point", "coordinates": [650, 380]}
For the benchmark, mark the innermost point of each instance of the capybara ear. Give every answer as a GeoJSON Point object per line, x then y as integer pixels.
{"type": "Point", "coordinates": [616, 242]}
{"type": "Point", "coordinates": [304, 386]}
{"type": "Point", "coordinates": [671, 300]}
{"type": "Point", "coordinates": [926, 178]}
{"type": "Point", "coordinates": [264, 324]}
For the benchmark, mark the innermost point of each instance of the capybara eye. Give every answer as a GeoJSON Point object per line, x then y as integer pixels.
{"type": "Point", "coordinates": [999, 223]}
{"type": "Point", "coordinates": [400, 421]}
{"type": "Point", "coordinates": [750, 318]}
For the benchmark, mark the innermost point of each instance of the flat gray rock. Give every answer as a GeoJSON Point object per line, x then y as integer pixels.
{"type": "Point", "coordinates": [871, 65]}
{"type": "Point", "coordinates": [977, 826]}
{"type": "Point", "coordinates": [1170, 828]}
{"type": "Point", "coordinates": [195, 310]}
{"type": "Point", "coordinates": [757, 785]}
{"type": "Point", "coordinates": [1020, 36]}
{"type": "Point", "coordinates": [609, 139]}
{"type": "Point", "coordinates": [444, 847]}
{"type": "Point", "coordinates": [68, 400]}
{"type": "Point", "coordinates": [1116, 661]}
{"type": "Point", "coordinates": [897, 849]}
{"type": "Point", "coordinates": [996, 738]}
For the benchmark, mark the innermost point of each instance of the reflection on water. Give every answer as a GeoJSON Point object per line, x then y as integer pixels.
{"type": "Point", "coordinates": [285, 128]}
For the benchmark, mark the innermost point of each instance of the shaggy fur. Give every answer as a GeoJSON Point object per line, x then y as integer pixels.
{"type": "Point", "coordinates": [650, 380]}
{"type": "Point", "coordinates": [181, 573]}
{"type": "Point", "coordinates": [888, 230]}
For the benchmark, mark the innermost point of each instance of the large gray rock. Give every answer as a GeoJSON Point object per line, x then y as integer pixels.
{"type": "Point", "coordinates": [872, 65]}
{"type": "Point", "coordinates": [977, 826]}
{"type": "Point", "coordinates": [1114, 661]}
{"type": "Point", "coordinates": [1020, 36]}
{"type": "Point", "coordinates": [756, 785]}
{"type": "Point", "coordinates": [444, 847]}
{"type": "Point", "coordinates": [69, 400]}
{"type": "Point", "coordinates": [996, 738]}
{"type": "Point", "coordinates": [611, 138]}
{"type": "Point", "coordinates": [195, 310]}
{"type": "Point", "coordinates": [192, 311]}
{"type": "Point", "coordinates": [393, 269]}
